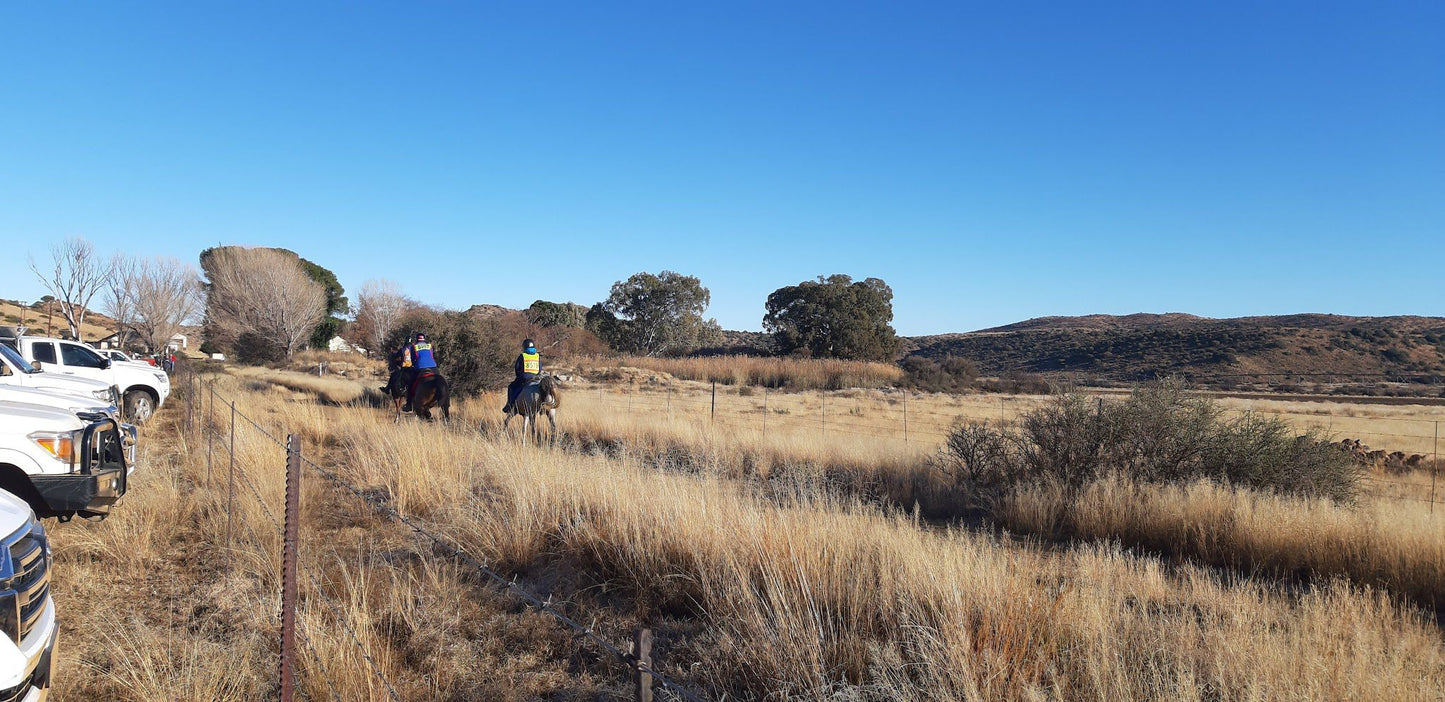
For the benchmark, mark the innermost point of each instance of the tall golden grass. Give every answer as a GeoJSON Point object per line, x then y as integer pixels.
{"type": "Point", "coordinates": [821, 598]}
{"type": "Point", "coordinates": [792, 373]}
{"type": "Point", "coordinates": [1387, 543]}
{"type": "Point", "coordinates": [1395, 546]}
{"type": "Point", "coordinates": [759, 593]}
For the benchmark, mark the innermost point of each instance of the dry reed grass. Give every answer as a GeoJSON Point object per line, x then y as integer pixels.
{"type": "Point", "coordinates": [792, 373]}
{"type": "Point", "coordinates": [1389, 542]}
{"type": "Point", "coordinates": [1395, 546]}
{"type": "Point", "coordinates": [329, 388]}
{"type": "Point", "coordinates": [814, 597]}
{"type": "Point", "coordinates": [833, 600]}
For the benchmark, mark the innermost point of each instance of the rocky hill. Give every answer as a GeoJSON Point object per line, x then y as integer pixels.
{"type": "Point", "coordinates": [1245, 350]}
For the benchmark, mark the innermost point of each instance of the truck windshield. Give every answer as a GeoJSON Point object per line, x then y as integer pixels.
{"type": "Point", "coordinates": [17, 360]}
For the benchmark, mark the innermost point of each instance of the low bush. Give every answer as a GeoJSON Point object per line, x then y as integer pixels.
{"type": "Point", "coordinates": [1161, 434]}
{"type": "Point", "coordinates": [950, 374]}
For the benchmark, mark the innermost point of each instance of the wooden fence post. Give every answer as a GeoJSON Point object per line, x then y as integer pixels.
{"type": "Point", "coordinates": [765, 409]}
{"type": "Point", "coordinates": [713, 416]}
{"type": "Point", "coordinates": [643, 650]}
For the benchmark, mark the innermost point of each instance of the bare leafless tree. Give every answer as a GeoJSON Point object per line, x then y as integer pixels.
{"type": "Point", "coordinates": [74, 277]}
{"type": "Point", "coordinates": [166, 295]}
{"type": "Point", "coordinates": [262, 294]}
{"type": "Point", "coordinates": [119, 300]}
{"type": "Point", "coordinates": [380, 306]}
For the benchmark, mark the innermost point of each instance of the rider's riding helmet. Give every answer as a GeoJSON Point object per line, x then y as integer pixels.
{"type": "Point", "coordinates": [420, 336]}
{"type": "Point", "coordinates": [528, 344]}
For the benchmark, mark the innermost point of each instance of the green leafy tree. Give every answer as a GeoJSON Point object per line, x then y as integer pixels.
{"type": "Point", "coordinates": [834, 317]}
{"type": "Point", "coordinates": [656, 314]}
{"type": "Point", "coordinates": [557, 314]}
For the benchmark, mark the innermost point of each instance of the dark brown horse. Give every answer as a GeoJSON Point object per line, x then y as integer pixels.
{"type": "Point", "coordinates": [431, 391]}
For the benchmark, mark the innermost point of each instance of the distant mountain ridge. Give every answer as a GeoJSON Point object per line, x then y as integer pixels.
{"type": "Point", "coordinates": [1131, 347]}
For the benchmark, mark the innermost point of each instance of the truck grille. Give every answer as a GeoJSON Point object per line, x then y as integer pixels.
{"type": "Point", "coordinates": [17, 693]}
{"type": "Point", "coordinates": [32, 579]}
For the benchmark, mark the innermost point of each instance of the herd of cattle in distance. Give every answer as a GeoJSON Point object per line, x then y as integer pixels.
{"type": "Point", "coordinates": [1390, 460]}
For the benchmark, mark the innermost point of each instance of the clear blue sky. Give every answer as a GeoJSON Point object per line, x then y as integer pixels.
{"type": "Point", "coordinates": [992, 162]}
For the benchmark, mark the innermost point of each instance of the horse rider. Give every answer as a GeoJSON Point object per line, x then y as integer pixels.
{"type": "Point", "coordinates": [527, 369]}
{"type": "Point", "coordinates": [418, 356]}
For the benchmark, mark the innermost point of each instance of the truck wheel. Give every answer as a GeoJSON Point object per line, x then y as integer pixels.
{"type": "Point", "coordinates": [139, 406]}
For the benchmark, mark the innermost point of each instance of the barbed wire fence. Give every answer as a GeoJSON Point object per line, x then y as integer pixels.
{"type": "Point", "coordinates": [211, 415]}
{"type": "Point", "coordinates": [226, 432]}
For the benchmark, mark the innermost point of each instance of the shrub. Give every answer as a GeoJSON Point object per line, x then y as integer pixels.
{"type": "Point", "coordinates": [951, 374]}
{"type": "Point", "coordinates": [1161, 434]}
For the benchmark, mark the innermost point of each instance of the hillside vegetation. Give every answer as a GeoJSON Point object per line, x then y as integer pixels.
{"type": "Point", "coordinates": [1308, 351]}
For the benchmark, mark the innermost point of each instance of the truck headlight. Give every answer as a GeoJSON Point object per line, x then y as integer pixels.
{"type": "Point", "coordinates": [161, 378]}
{"type": "Point", "coordinates": [60, 444]}
{"type": "Point", "coordinates": [101, 394]}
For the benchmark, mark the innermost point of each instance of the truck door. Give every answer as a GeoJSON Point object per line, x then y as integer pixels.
{"type": "Point", "coordinates": [78, 360]}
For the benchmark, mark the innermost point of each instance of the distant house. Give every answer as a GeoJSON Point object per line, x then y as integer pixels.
{"type": "Point", "coordinates": [340, 345]}
{"type": "Point", "coordinates": [131, 340]}
{"type": "Point", "coordinates": [128, 340]}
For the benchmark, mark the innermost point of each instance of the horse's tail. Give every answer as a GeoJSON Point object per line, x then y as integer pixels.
{"type": "Point", "coordinates": [548, 386]}
{"type": "Point", "coordinates": [444, 397]}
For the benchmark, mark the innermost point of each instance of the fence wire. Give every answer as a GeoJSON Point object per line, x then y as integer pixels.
{"type": "Point", "coordinates": [446, 546]}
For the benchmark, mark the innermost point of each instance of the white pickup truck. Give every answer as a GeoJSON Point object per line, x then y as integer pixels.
{"type": "Point", "coordinates": [28, 628]}
{"type": "Point", "coordinates": [61, 463]}
{"type": "Point", "coordinates": [15, 371]}
{"type": "Point", "coordinates": [142, 390]}
{"type": "Point", "coordinates": [58, 399]}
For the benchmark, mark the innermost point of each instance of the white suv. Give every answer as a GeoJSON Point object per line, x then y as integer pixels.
{"type": "Point", "coordinates": [142, 390]}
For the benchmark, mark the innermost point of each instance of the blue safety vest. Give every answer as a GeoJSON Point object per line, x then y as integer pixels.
{"type": "Point", "coordinates": [422, 353]}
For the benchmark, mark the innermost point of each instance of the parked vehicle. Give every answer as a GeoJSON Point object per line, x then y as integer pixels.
{"type": "Point", "coordinates": [142, 390]}
{"type": "Point", "coordinates": [61, 463]}
{"type": "Point", "coordinates": [58, 399]}
{"type": "Point", "coordinates": [27, 611]}
{"type": "Point", "coordinates": [118, 356]}
{"type": "Point", "coordinates": [17, 372]}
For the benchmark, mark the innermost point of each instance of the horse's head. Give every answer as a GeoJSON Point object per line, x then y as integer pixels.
{"type": "Point", "coordinates": [547, 385]}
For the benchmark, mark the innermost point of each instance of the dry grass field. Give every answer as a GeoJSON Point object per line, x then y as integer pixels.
{"type": "Point", "coordinates": [786, 588]}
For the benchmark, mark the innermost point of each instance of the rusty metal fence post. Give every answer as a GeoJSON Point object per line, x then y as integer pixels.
{"type": "Point", "coordinates": [231, 484]}
{"type": "Point", "coordinates": [1435, 474]}
{"type": "Point", "coordinates": [288, 568]}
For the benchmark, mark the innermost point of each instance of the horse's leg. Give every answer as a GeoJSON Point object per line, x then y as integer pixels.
{"type": "Point", "coordinates": [506, 423]}
{"type": "Point", "coordinates": [552, 420]}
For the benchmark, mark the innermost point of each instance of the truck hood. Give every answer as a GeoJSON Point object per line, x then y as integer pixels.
{"type": "Point", "coordinates": [58, 399]}
{"type": "Point", "coordinates": [14, 514]}
{"type": "Point", "coordinates": [24, 417]}
{"type": "Point", "coordinates": [66, 383]}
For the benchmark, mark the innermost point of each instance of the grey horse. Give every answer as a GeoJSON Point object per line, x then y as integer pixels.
{"type": "Point", "coordinates": [539, 397]}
